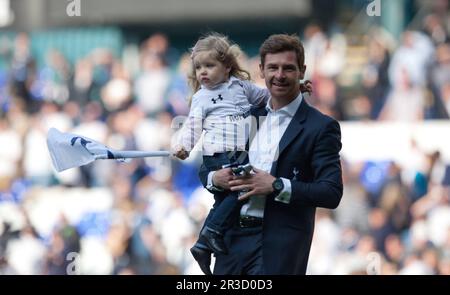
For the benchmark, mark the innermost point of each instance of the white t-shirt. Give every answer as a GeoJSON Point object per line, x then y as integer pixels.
{"type": "Point", "coordinates": [223, 114]}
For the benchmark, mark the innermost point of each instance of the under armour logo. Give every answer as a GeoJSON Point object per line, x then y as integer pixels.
{"type": "Point", "coordinates": [214, 100]}
{"type": "Point", "coordinates": [296, 173]}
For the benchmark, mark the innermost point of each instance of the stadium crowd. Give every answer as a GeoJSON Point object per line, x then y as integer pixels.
{"type": "Point", "coordinates": [143, 216]}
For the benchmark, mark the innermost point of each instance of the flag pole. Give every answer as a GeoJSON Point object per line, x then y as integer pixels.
{"type": "Point", "coordinates": [139, 154]}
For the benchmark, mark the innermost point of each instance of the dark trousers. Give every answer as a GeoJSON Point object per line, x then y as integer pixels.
{"type": "Point", "coordinates": [226, 204]}
{"type": "Point", "coordinates": [244, 252]}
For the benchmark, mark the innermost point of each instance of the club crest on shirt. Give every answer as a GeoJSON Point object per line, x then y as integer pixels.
{"type": "Point", "coordinates": [296, 173]}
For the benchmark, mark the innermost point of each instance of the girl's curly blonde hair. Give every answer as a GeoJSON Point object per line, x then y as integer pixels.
{"type": "Point", "coordinates": [223, 50]}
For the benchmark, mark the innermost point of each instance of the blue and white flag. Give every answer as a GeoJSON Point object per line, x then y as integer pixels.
{"type": "Point", "coordinates": [70, 150]}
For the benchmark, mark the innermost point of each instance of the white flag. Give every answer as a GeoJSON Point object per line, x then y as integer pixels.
{"type": "Point", "coordinates": [70, 150]}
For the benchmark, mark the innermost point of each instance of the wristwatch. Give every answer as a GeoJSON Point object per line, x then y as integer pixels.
{"type": "Point", "coordinates": [278, 186]}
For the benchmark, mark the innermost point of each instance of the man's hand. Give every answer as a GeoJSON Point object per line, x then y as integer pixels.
{"type": "Point", "coordinates": [258, 183]}
{"type": "Point", "coordinates": [222, 177]}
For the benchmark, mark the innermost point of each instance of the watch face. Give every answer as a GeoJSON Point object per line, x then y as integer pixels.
{"type": "Point", "coordinates": [278, 184]}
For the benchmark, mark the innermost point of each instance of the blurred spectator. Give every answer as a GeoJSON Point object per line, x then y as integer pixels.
{"type": "Point", "coordinates": [26, 254]}
{"type": "Point", "coordinates": [395, 251]}
{"type": "Point", "coordinates": [23, 72]}
{"type": "Point", "coordinates": [325, 97]}
{"type": "Point", "coordinates": [65, 241]}
{"type": "Point", "coordinates": [80, 86]}
{"type": "Point", "coordinates": [151, 85]}
{"type": "Point", "coordinates": [406, 101]}
{"type": "Point", "coordinates": [434, 27]}
{"type": "Point", "coordinates": [354, 207]}
{"type": "Point", "coordinates": [380, 228]}
{"type": "Point", "coordinates": [332, 59]}
{"type": "Point", "coordinates": [375, 73]}
{"type": "Point", "coordinates": [178, 90]}
{"type": "Point", "coordinates": [326, 243]}
{"type": "Point", "coordinates": [415, 266]}
{"type": "Point", "coordinates": [117, 91]}
{"type": "Point", "coordinates": [409, 62]}
{"type": "Point", "coordinates": [11, 156]}
{"type": "Point", "coordinates": [315, 43]}
{"type": "Point", "coordinates": [439, 81]}
{"type": "Point", "coordinates": [52, 83]}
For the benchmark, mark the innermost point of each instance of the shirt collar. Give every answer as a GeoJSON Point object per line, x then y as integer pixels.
{"type": "Point", "coordinates": [232, 80]}
{"type": "Point", "coordinates": [289, 109]}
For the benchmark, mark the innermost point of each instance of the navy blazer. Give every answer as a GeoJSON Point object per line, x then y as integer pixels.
{"type": "Point", "coordinates": [309, 157]}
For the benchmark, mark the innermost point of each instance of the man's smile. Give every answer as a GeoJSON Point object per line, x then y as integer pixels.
{"type": "Point", "coordinates": [280, 84]}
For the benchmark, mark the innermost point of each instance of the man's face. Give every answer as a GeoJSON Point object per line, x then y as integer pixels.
{"type": "Point", "coordinates": [282, 75]}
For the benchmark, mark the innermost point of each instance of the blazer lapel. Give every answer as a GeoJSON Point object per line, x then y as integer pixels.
{"type": "Point", "coordinates": [294, 128]}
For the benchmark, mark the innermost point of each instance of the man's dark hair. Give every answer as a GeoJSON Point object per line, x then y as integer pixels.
{"type": "Point", "coordinates": [280, 43]}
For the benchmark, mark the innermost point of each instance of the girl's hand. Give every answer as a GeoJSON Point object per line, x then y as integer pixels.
{"type": "Point", "coordinates": [306, 87]}
{"type": "Point", "coordinates": [180, 153]}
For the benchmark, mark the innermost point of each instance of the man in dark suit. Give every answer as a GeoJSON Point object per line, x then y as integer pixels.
{"type": "Point", "coordinates": [295, 155]}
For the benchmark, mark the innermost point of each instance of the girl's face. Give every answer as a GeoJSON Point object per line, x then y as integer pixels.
{"type": "Point", "coordinates": [209, 71]}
